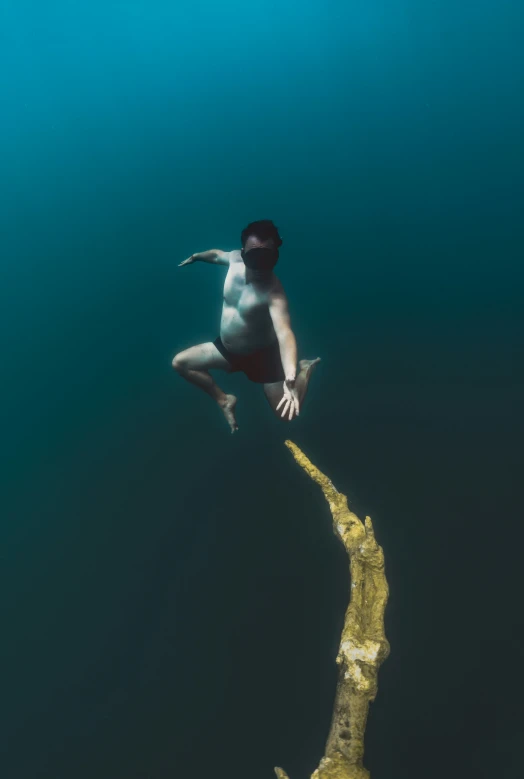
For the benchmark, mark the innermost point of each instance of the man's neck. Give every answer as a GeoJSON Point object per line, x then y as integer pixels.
{"type": "Point", "coordinates": [263, 283]}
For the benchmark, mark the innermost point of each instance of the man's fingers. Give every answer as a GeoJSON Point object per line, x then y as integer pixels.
{"type": "Point", "coordinates": [285, 396]}
{"type": "Point", "coordinates": [290, 399]}
{"type": "Point", "coordinates": [291, 405]}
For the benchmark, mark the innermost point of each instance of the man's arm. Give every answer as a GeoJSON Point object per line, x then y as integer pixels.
{"type": "Point", "coordinates": [214, 256]}
{"type": "Point", "coordinates": [279, 311]}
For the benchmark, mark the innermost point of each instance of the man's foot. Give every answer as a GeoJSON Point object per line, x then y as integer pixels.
{"type": "Point", "coordinates": [307, 365]}
{"type": "Point", "coordinates": [228, 407]}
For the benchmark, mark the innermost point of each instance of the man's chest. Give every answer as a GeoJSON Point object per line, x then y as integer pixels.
{"type": "Point", "coordinates": [242, 296]}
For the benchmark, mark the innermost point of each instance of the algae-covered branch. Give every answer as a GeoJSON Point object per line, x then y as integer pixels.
{"type": "Point", "coordinates": [363, 645]}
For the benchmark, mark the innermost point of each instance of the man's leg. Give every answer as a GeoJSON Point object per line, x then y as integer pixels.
{"type": "Point", "coordinates": [194, 363]}
{"type": "Point", "coordinates": [305, 368]}
{"type": "Point", "coordinates": [274, 390]}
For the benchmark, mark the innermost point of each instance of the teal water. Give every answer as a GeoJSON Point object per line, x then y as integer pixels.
{"type": "Point", "coordinates": [172, 595]}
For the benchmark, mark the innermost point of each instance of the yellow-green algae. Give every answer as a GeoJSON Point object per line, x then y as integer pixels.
{"type": "Point", "coordinates": [363, 644]}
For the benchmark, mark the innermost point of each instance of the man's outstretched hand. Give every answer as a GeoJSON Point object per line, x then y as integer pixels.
{"type": "Point", "coordinates": [290, 399]}
{"type": "Point", "coordinates": [189, 260]}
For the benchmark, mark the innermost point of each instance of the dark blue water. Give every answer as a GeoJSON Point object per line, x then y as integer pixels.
{"type": "Point", "coordinates": [172, 595]}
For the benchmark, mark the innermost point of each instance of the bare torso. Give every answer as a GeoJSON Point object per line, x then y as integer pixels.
{"type": "Point", "coordinates": [246, 323]}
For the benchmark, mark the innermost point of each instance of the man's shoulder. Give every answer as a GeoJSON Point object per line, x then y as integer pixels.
{"type": "Point", "coordinates": [235, 256]}
{"type": "Point", "coordinates": [276, 287]}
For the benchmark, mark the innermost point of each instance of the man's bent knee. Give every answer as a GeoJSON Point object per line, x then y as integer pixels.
{"type": "Point", "coordinates": [179, 364]}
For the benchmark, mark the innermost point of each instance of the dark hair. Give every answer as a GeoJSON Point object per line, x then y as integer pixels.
{"type": "Point", "coordinates": [264, 229]}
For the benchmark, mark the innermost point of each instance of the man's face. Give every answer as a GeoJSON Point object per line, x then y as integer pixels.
{"type": "Point", "coordinates": [260, 257]}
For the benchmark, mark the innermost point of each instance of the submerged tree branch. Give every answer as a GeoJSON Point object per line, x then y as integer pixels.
{"type": "Point", "coordinates": [363, 644]}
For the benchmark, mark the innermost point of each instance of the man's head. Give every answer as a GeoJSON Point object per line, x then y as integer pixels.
{"type": "Point", "coordinates": [260, 245]}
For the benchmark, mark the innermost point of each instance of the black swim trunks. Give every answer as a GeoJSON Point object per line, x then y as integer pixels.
{"type": "Point", "coordinates": [263, 366]}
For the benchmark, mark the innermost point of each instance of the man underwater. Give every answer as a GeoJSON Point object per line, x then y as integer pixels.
{"type": "Point", "coordinates": [255, 330]}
